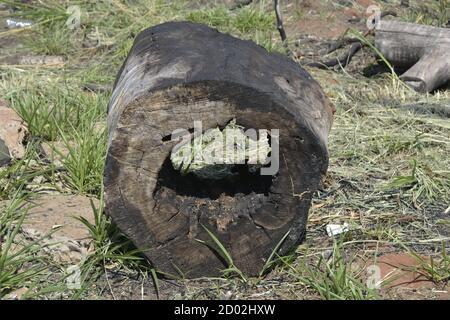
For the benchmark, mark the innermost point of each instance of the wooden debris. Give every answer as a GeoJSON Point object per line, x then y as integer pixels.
{"type": "Point", "coordinates": [177, 73]}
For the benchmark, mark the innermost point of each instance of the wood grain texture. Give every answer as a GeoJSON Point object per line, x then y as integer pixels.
{"type": "Point", "coordinates": [422, 48]}
{"type": "Point", "coordinates": [180, 72]}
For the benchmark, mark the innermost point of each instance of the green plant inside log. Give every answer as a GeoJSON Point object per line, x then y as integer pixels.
{"type": "Point", "coordinates": [216, 154]}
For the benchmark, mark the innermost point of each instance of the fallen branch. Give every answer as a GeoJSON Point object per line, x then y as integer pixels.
{"type": "Point", "coordinates": [424, 49]}
{"type": "Point", "coordinates": [280, 26]}
{"type": "Point", "coordinates": [279, 21]}
{"type": "Point", "coordinates": [343, 61]}
{"type": "Point", "coordinates": [340, 43]}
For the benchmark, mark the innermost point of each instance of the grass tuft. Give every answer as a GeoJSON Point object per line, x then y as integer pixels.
{"type": "Point", "coordinates": [333, 278]}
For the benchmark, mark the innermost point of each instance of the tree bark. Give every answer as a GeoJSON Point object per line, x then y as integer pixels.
{"type": "Point", "coordinates": [177, 73]}
{"type": "Point", "coordinates": [424, 49]}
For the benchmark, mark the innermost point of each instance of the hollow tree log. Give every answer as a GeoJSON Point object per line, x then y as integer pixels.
{"type": "Point", "coordinates": [424, 49]}
{"type": "Point", "coordinates": [180, 72]}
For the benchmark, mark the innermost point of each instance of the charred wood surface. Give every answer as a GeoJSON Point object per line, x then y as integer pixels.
{"type": "Point", "coordinates": [177, 73]}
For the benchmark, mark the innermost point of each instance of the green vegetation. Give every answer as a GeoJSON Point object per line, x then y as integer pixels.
{"type": "Point", "coordinates": [333, 278]}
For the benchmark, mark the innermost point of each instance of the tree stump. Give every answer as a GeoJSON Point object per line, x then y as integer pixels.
{"type": "Point", "coordinates": [425, 50]}
{"type": "Point", "coordinates": [177, 73]}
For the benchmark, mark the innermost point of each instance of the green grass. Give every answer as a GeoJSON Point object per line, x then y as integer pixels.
{"type": "Point", "coordinates": [85, 159]}
{"type": "Point", "coordinates": [218, 17]}
{"type": "Point", "coordinates": [57, 42]}
{"type": "Point", "coordinates": [111, 248]}
{"type": "Point", "coordinates": [231, 269]}
{"type": "Point", "coordinates": [274, 258]}
{"type": "Point", "coordinates": [333, 278]}
{"type": "Point", "coordinates": [22, 265]}
{"type": "Point", "coordinates": [19, 173]}
{"type": "Point", "coordinates": [436, 13]}
{"type": "Point", "coordinates": [248, 22]}
{"type": "Point", "coordinates": [423, 183]}
{"type": "Point", "coordinates": [436, 270]}
{"type": "Point", "coordinates": [245, 21]}
{"type": "Point", "coordinates": [51, 109]}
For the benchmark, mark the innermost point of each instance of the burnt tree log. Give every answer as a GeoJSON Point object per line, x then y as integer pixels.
{"type": "Point", "coordinates": [425, 50]}
{"type": "Point", "coordinates": [180, 72]}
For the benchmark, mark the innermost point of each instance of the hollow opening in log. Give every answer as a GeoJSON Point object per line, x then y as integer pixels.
{"type": "Point", "coordinates": [225, 160]}
{"type": "Point", "coordinates": [241, 181]}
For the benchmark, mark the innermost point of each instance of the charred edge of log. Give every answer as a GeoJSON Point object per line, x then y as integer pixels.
{"type": "Point", "coordinates": [341, 61]}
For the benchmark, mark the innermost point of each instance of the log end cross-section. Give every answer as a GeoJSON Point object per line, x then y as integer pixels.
{"type": "Point", "coordinates": [177, 73]}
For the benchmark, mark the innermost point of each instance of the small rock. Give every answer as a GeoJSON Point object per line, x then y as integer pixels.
{"type": "Point", "coordinates": [12, 131]}
{"type": "Point", "coordinates": [4, 154]}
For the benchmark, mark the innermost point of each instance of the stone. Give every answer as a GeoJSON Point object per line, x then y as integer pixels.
{"type": "Point", "coordinates": [4, 154]}
{"type": "Point", "coordinates": [399, 269]}
{"type": "Point", "coordinates": [12, 131]}
{"type": "Point", "coordinates": [49, 211]}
